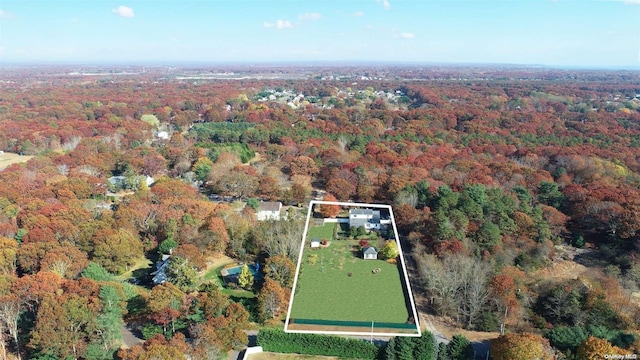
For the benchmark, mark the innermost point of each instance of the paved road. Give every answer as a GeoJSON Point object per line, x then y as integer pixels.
{"type": "Point", "coordinates": [129, 340]}
{"type": "Point", "coordinates": [440, 338]}
{"type": "Point", "coordinates": [237, 355]}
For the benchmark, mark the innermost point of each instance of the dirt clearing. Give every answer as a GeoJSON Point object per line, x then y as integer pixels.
{"type": "Point", "coordinates": [7, 159]}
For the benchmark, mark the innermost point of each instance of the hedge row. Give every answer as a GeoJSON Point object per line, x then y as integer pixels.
{"type": "Point", "coordinates": [311, 344]}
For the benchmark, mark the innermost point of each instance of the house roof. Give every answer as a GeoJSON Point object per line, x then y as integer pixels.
{"type": "Point", "coordinates": [270, 206]}
{"type": "Point", "coordinates": [370, 250]}
{"type": "Point", "coordinates": [315, 240]}
{"type": "Point", "coordinates": [357, 222]}
{"type": "Point", "coordinates": [371, 217]}
{"type": "Point", "coordinates": [114, 180]}
{"type": "Point", "coordinates": [362, 212]}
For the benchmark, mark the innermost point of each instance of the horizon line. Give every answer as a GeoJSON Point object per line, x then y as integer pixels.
{"type": "Point", "coordinates": [317, 63]}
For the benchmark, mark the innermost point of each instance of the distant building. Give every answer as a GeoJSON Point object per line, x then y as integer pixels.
{"type": "Point", "coordinates": [315, 243]}
{"type": "Point", "coordinates": [163, 135]}
{"type": "Point", "coordinates": [117, 183]}
{"type": "Point", "coordinates": [269, 210]}
{"type": "Point", "coordinates": [368, 218]}
{"type": "Point", "coordinates": [370, 253]}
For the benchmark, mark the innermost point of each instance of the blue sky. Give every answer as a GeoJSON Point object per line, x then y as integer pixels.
{"type": "Point", "coordinates": [557, 33]}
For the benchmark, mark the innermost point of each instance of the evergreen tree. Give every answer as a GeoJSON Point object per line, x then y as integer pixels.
{"type": "Point", "coordinates": [459, 348]}
{"type": "Point", "coordinates": [442, 352]}
{"type": "Point", "coordinates": [404, 348]}
{"type": "Point", "coordinates": [166, 246]}
{"type": "Point", "coordinates": [96, 272]}
{"type": "Point", "coordinates": [425, 347]}
{"type": "Point", "coordinates": [549, 194]}
{"type": "Point", "coordinates": [245, 279]}
{"type": "Point", "coordinates": [390, 349]}
{"type": "Point", "coordinates": [109, 322]}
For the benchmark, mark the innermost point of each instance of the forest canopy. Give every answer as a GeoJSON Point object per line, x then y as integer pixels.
{"type": "Point", "coordinates": [495, 176]}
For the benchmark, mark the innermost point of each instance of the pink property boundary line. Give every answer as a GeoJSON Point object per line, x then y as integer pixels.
{"type": "Point", "coordinates": [404, 270]}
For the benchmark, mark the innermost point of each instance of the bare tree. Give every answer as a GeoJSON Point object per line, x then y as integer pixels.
{"type": "Point", "coordinates": [475, 289]}
{"type": "Point", "coordinates": [282, 237]}
{"type": "Point", "coordinates": [458, 285]}
{"type": "Point", "coordinates": [9, 314]}
{"type": "Point", "coordinates": [441, 284]}
{"type": "Point", "coordinates": [63, 169]}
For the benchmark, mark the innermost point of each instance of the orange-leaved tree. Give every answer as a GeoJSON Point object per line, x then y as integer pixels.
{"type": "Point", "coordinates": [329, 210]}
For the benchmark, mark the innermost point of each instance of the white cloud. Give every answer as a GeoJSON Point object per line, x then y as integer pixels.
{"type": "Point", "coordinates": [309, 16]}
{"type": "Point", "coordinates": [5, 15]}
{"type": "Point", "coordinates": [358, 13]}
{"type": "Point", "coordinates": [407, 35]}
{"type": "Point", "coordinates": [279, 24]}
{"type": "Point", "coordinates": [283, 24]}
{"type": "Point", "coordinates": [385, 4]}
{"type": "Point", "coordinates": [123, 11]}
{"type": "Point", "coordinates": [632, 2]}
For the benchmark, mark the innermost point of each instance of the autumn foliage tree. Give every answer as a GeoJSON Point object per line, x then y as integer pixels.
{"type": "Point", "coordinates": [390, 250]}
{"type": "Point", "coordinates": [8, 255]}
{"type": "Point", "coordinates": [521, 347]}
{"type": "Point", "coordinates": [594, 348]}
{"type": "Point", "coordinates": [329, 210]}
{"type": "Point", "coordinates": [280, 269]}
{"type": "Point", "coordinates": [272, 300]}
{"type": "Point", "coordinates": [116, 250]}
{"type": "Point", "coordinates": [64, 326]}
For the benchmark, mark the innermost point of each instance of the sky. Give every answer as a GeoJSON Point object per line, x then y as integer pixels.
{"type": "Point", "coordinates": [564, 33]}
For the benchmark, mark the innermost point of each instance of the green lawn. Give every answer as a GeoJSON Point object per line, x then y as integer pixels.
{"type": "Point", "coordinates": [322, 232]}
{"type": "Point", "coordinates": [214, 275]}
{"type": "Point", "coordinates": [141, 264]}
{"type": "Point", "coordinates": [326, 291]}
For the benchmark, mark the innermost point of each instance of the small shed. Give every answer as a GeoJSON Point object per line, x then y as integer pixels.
{"type": "Point", "coordinates": [370, 253]}
{"type": "Point", "coordinates": [315, 243]}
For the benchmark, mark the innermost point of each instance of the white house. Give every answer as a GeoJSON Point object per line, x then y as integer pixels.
{"type": "Point", "coordinates": [315, 243]}
{"type": "Point", "coordinates": [370, 253]}
{"type": "Point", "coordinates": [269, 210]}
{"type": "Point", "coordinates": [163, 135]}
{"type": "Point", "coordinates": [368, 218]}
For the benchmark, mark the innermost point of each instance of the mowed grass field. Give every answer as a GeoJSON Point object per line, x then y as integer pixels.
{"type": "Point", "coordinates": [326, 291]}
{"type": "Point", "coordinates": [7, 159]}
{"type": "Point", "coordinates": [321, 232]}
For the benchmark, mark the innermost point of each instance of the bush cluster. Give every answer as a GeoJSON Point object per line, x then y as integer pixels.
{"type": "Point", "coordinates": [278, 341]}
